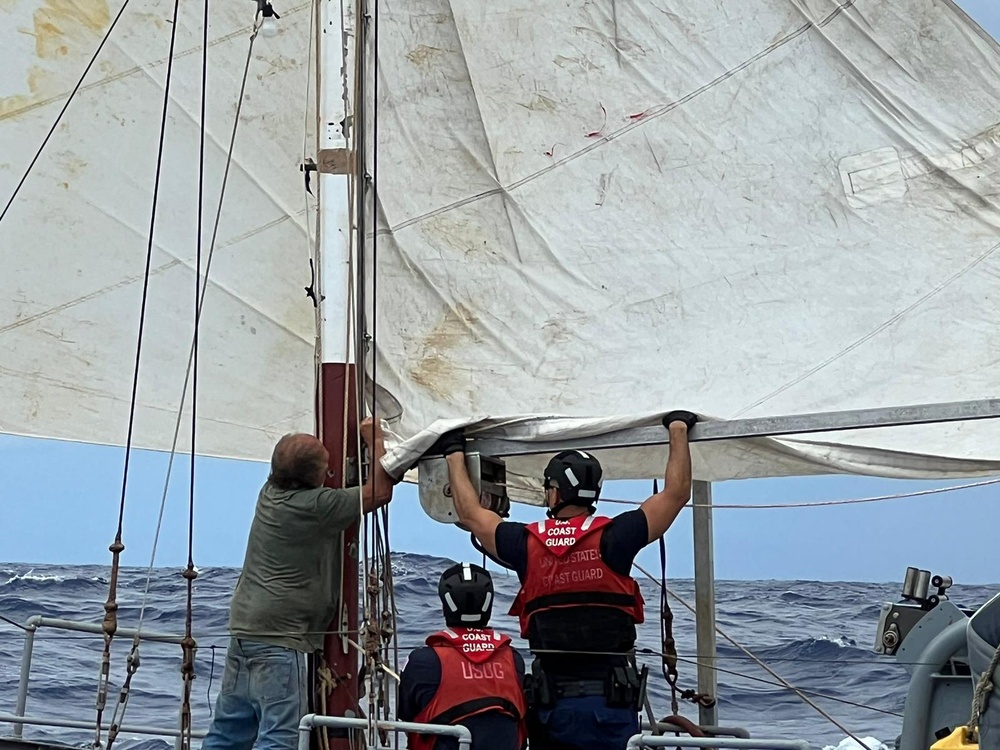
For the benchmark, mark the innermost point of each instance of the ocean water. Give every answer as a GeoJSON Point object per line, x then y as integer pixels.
{"type": "Point", "coordinates": [817, 636]}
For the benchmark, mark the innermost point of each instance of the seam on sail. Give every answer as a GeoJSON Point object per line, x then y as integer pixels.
{"type": "Point", "coordinates": [239, 33]}
{"type": "Point", "coordinates": [85, 298]}
{"type": "Point", "coordinates": [287, 210]}
{"type": "Point", "coordinates": [175, 261]}
{"type": "Point", "coordinates": [871, 334]}
{"type": "Point", "coordinates": [495, 173]}
{"type": "Point", "coordinates": [654, 113]}
{"type": "Point", "coordinates": [109, 395]}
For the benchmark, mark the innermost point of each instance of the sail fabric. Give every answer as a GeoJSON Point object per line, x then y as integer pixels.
{"type": "Point", "coordinates": [592, 213]}
{"type": "Point", "coordinates": [587, 215]}
{"type": "Point", "coordinates": [73, 245]}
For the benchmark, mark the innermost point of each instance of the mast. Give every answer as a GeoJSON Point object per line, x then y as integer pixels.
{"type": "Point", "coordinates": [336, 369]}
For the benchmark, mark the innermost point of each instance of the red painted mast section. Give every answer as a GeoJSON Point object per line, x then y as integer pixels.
{"type": "Point", "coordinates": [339, 402]}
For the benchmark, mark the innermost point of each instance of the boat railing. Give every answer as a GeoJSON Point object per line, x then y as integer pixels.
{"type": "Point", "coordinates": [311, 721]}
{"type": "Point", "coordinates": [735, 743]}
{"type": "Point", "coordinates": [20, 718]}
{"type": "Point", "coordinates": [739, 739]}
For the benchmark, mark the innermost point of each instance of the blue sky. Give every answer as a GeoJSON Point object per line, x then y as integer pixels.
{"type": "Point", "coordinates": [62, 501]}
{"type": "Point", "coordinates": [60, 504]}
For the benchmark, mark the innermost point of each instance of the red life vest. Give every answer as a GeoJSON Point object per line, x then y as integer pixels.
{"type": "Point", "coordinates": [565, 569]}
{"type": "Point", "coordinates": [478, 674]}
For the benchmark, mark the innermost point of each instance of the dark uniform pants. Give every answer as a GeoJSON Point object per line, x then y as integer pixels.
{"type": "Point", "coordinates": [585, 723]}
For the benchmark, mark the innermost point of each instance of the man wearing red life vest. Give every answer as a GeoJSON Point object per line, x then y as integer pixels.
{"type": "Point", "coordinates": [578, 605]}
{"type": "Point", "coordinates": [467, 674]}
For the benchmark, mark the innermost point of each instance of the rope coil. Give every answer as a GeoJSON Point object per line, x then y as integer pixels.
{"type": "Point", "coordinates": [981, 696]}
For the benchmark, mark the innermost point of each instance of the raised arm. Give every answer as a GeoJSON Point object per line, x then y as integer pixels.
{"type": "Point", "coordinates": [471, 514]}
{"type": "Point", "coordinates": [377, 491]}
{"type": "Point", "coordinates": [662, 508]}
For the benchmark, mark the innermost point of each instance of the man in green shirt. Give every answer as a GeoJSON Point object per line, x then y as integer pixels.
{"type": "Point", "coordinates": [289, 591]}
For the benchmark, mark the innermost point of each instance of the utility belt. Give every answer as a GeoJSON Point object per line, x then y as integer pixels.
{"type": "Point", "coordinates": [623, 687]}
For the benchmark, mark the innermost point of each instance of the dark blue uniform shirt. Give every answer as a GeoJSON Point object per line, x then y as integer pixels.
{"type": "Point", "coordinates": [419, 682]}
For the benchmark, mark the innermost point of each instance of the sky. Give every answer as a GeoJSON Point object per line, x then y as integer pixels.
{"type": "Point", "coordinates": [59, 504]}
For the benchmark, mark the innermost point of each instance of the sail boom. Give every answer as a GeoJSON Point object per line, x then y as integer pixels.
{"type": "Point", "coordinates": [760, 427]}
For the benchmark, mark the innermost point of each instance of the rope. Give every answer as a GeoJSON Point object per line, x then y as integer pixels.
{"type": "Point", "coordinates": [815, 693]}
{"type": "Point", "coordinates": [187, 374]}
{"type": "Point", "coordinates": [18, 625]}
{"type": "Point", "coordinates": [190, 572]}
{"type": "Point", "coordinates": [326, 684]}
{"type": "Point", "coordinates": [668, 660]}
{"type": "Point", "coordinates": [120, 709]}
{"type": "Point", "coordinates": [981, 697]}
{"type": "Point", "coordinates": [110, 624]}
{"type": "Point", "coordinates": [72, 94]}
{"type": "Point", "coordinates": [762, 665]}
{"type": "Point", "coordinates": [824, 503]}
{"type": "Point", "coordinates": [380, 562]}
{"type": "Point", "coordinates": [211, 678]}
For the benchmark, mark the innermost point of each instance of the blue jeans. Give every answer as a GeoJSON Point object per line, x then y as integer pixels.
{"type": "Point", "coordinates": [583, 724]}
{"type": "Point", "coordinates": [263, 698]}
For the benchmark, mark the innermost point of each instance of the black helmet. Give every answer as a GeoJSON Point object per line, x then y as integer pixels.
{"type": "Point", "coordinates": [578, 476]}
{"type": "Point", "coordinates": [466, 592]}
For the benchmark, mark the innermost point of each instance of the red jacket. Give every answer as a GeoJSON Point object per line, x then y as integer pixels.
{"type": "Point", "coordinates": [478, 674]}
{"type": "Point", "coordinates": [565, 569]}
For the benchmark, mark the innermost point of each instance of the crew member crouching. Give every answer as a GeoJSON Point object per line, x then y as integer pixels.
{"type": "Point", "coordinates": [467, 674]}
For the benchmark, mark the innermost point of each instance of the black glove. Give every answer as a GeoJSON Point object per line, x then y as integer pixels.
{"type": "Point", "coordinates": [687, 417]}
{"type": "Point", "coordinates": [450, 442]}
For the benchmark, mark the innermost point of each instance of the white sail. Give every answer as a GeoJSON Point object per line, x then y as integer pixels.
{"type": "Point", "coordinates": [73, 245]}
{"type": "Point", "coordinates": [593, 213]}
{"type": "Point", "coordinates": [588, 215]}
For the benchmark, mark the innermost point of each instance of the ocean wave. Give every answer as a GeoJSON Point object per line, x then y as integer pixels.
{"type": "Point", "coordinates": [799, 627]}
{"type": "Point", "coordinates": [869, 743]}
{"type": "Point", "coordinates": [821, 648]}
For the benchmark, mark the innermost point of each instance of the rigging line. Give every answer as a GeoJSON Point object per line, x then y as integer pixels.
{"type": "Point", "coordinates": [374, 197]}
{"type": "Point", "coordinates": [760, 663]}
{"type": "Point", "coordinates": [110, 624]}
{"type": "Point", "coordinates": [187, 373]}
{"type": "Point", "coordinates": [312, 253]}
{"type": "Point", "coordinates": [825, 503]}
{"type": "Point", "coordinates": [393, 613]}
{"type": "Point", "coordinates": [358, 311]}
{"type": "Point", "coordinates": [744, 675]}
{"type": "Point", "coordinates": [18, 625]}
{"type": "Point", "coordinates": [361, 177]}
{"type": "Point", "coordinates": [223, 639]}
{"type": "Point", "coordinates": [392, 596]}
{"type": "Point", "coordinates": [814, 693]}
{"type": "Point", "coordinates": [305, 126]}
{"type": "Point", "coordinates": [190, 573]}
{"type": "Point", "coordinates": [69, 99]}
{"type": "Point", "coordinates": [134, 655]}
{"type": "Point", "coordinates": [372, 20]}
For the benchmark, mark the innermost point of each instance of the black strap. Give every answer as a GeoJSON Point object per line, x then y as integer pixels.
{"type": "Point", "coordinates": [579, 599]}
{"type": "Point", "coordinates": [481, 548]}
{"type": "Point", "coordinates": [565, 687]}
{"type": "Point", "coordinates": [669, 645]}
{"type": "Point", "coordinates": [475, 706]}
